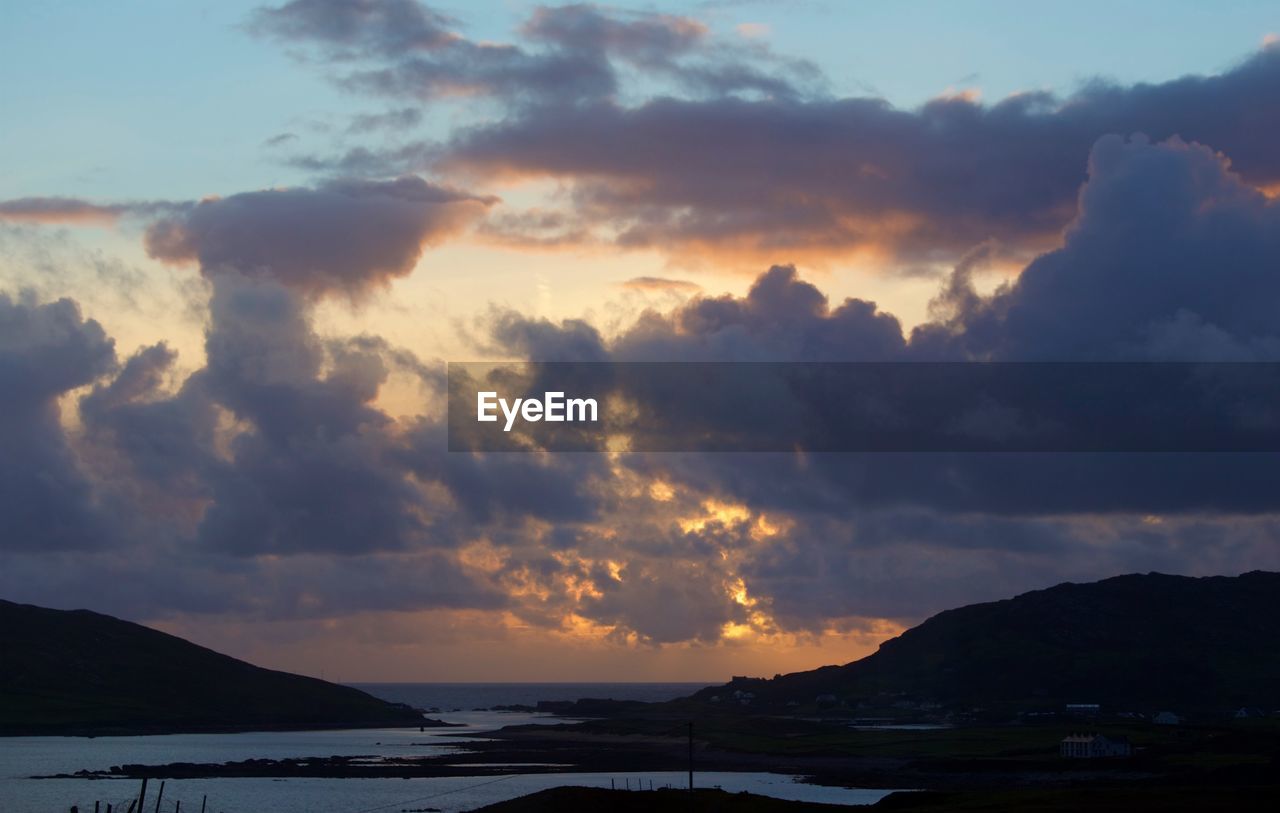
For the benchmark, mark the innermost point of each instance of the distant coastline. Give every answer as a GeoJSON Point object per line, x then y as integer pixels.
{"type": "Point", "coordinates": [445, 697]}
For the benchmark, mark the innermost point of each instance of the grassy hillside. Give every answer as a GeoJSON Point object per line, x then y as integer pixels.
{"type": "Point", "coordinates": [82, 672]}
{"type": "Point", "coordinates": [1137, 642]}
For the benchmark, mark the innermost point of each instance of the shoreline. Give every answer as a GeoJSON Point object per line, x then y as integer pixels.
{"type": "Point", "coordinates": [528, 750]}
{"type": "Point", "coordinates": [160, 730]}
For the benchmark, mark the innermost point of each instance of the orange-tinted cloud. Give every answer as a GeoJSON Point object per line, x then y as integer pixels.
{"type": "Point", "coordinates": [661, 284]}
{"type": "Point", "coordinates": [74, 211]}
{"type": "Point", "coordinates": [799, 178]}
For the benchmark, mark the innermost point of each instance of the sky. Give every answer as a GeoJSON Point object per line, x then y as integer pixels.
{"type": "Point", "coordinates": [239, 241]}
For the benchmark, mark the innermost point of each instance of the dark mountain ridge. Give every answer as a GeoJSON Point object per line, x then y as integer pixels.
{"type": "Point", "coordinates": [80, 672]}
{"type": "Point", "coordinates": [1134, 642]}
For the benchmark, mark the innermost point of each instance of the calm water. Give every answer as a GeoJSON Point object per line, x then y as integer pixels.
{"type": "Point", "coordinates": [23, 757]}
{"type": "Point", "coordinates": [468, 696]}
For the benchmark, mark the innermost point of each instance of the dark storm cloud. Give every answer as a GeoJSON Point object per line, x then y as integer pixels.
{"type": "Point", "coordinates": [314, 471]}
{"type": "Point", "coordinates": [777, 177]}
{"type": "Point", "coordinates": [508, 488]}
{"type": "Point", "coordinates": [163, 582]}
{"type": "Point", "coordinates": [344, 236]}
{"type": "Point", "coordinates": [150, 445]}
{"type": "Point", "coordinates": [312, 465]}
{"type": "Point", "coordinates": [782, 318]}
{"type": "Point", "coordinates": [740, 151]}
{"type": "Point", "coordinates": [906, 565]}
{"type": "Point", "coordinates": [46, 501]}
{"type": "Point", "coordinates": [1173, 256]}
{"type": "Point", "coordinates": [1166, 236]}
{"type": "Point", "coordinates": [265, 484]}
{"type": "Point", "coordinates": [405, 49]}
{"type": "Point", "coordinates": [270, 481]}
{"type": "Point", "coordinates": [663, 604]}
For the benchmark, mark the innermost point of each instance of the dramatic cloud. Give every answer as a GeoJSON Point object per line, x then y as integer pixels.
{"type": "Point", "coordinates": [273, 481]}
{"type": "Point", "coordinates": [1173, 256]}
{"type": "Point", "coordinates": [47, 350]}
{"type": "Point", "coordinates": [1166, 235]}
{"type": "Point", "coordinates": [267, 484]}
{"type": "Point", "coordinates": [726, 149]}
{"type": "Point", "coordinates": [809, 177]}
{"type": "Point", "coordinates": [781, 319]}
{"type": "Point", "coordinates": [344, 236]}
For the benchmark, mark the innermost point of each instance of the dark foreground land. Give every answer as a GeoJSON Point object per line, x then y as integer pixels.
{"type": "Point", "coordinates": [1092, 800]}
{"type": "Point", "coordinates": [81, 673]}
{"type": "Point", "coordinates": [1129, 645]}
{"type": "Point", "coordinates": [569, 799]}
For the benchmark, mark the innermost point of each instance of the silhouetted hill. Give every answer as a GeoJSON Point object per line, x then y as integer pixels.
{"type": "Point", "coordinates": [1136, 642]}
{"type": "Point", "coordinates": [82, 672]}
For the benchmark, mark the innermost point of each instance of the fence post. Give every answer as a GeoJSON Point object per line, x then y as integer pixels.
{"type": "Point", "coordinates": [691, 756]}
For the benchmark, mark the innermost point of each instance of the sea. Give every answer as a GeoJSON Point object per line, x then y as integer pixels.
{"type": "Point", "coordinates": [471, 696]}
{"type": "Point", "coordinates": [468, 704]}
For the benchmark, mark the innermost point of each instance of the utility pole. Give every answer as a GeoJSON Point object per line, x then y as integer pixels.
{"type": "Point", "coordinates": [691, 756]}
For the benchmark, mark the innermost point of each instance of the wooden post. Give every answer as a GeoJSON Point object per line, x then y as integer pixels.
{"type": "Point", "coordinates": [177, 806]}
{"type": "Point", "coordinates": [142, 796]}
{"type": "Point", "coordinates": [160, 795]}
{"type": "Point", "coordinates": [203, 801]}
{"type": "Point", "coordinates": [691, 756]}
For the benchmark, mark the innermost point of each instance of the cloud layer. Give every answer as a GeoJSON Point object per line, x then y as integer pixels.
{"type": "Point", "coordinates": [346, 235]}
{"type": "Point", "coordinates": [273, 481]}
{"type": "Point", "coordinates": [270, 482]}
